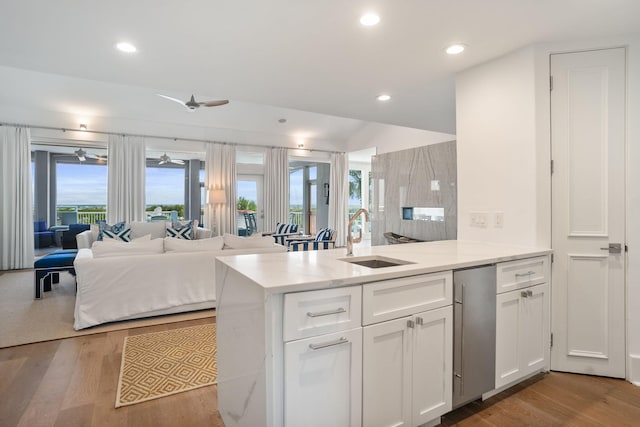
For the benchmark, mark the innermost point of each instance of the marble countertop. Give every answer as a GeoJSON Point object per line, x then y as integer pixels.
{"type": "Point", "coordinates": [310, 270]}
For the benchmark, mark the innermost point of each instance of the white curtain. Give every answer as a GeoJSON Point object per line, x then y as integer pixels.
{"type": "Point", "coordinates": [126, 179]}
{"type": "Point", "coordinates": [220, 174]}
{"type": "Point", "coordinates": [16, 206]}
{"type": "Point", "coordinates": [339, 197]}
{"type": "Point", "coordinates": [276, 188]}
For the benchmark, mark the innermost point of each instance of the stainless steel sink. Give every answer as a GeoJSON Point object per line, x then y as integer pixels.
{"type": "Point", "coordinates": [375, 261]}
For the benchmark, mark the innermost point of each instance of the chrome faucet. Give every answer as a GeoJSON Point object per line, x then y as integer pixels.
{"type": "Point", "coordinates": [349, 234]}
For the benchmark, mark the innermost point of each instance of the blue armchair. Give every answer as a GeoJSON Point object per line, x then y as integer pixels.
{"type": "Point", "coordinates": [42, 237]}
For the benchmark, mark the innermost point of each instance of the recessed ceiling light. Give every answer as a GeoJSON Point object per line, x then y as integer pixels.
{"type": "Point", "coordinates": [383, 97]}
{"type": "Point", "coordinates": [369, 19]}
{"type": "Point", "coordinates": [282, 120]}
{"type": "Point", "coordinates": [126, 47]}
{"type": "Point", "coordinates": [455, 49]}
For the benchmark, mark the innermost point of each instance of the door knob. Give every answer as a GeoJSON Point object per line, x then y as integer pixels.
{"type": "Point", "coordinates": [613, 248]}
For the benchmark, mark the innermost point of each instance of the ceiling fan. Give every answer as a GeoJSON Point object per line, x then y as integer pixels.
{"type": "Point", "coordinates": [164, 159]}
{"type": "Point", "coordinates": [83, 155]}
{"type": "Point", "coordinates": [192, 104]}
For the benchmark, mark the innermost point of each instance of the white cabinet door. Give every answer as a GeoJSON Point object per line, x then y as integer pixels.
{"type": "Point", "coordinates": [323, 380]}
{"type": "Point", "coordinates": [432, 364]}
{"type": "Point", "coordinates": [535, 329]}
{"type": "Point", "coordinates": [386, 372]}
{"type": "Point", "coordinates": [508, 351]}
{"type": "Point", "coordinates": [522, 333]}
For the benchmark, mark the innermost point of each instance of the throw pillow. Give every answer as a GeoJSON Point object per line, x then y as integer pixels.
{"type": "Point", "coordinates": [200, 245]}
{"type": "Point", "coordinates": [157, 230]}
{"type": "Point", "coordinates": [236, 242]}
{"type": "Point", "coordinates": [141, 247]}
{"type": "Point", "coordinates": [113, 229]}
{"type": "Point", "coordinates": [145, 238]}
{"type": "Point", "coordinates": [122, 235]}
{"type": "Point", "coordinates": [202, 233]}
{"type": "Point", "coordinates": [286, 228]}
{"type": "Point", "coordinates": [182, 230]}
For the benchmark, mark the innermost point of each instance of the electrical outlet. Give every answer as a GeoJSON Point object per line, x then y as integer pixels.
{"type": "Point", "coordinates": [479, 219]}
{"type": "Point", "coordinates": [498, 219]}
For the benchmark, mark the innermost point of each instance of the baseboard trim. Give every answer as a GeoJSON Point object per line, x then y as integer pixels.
{"type": "Point", "coordinates": [492, 393]}
{"type": "Point", "coordinates": [634, 369]}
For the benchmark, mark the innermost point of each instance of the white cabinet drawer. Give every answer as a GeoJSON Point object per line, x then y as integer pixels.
{"type": "Point", "coordinates": [522, 273]}
{"type": "Point", "coordinates": [307, 314]}
{"type": "Point", "coordinates": [390, 299]}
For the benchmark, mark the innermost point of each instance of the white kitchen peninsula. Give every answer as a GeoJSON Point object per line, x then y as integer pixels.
{"type": "Point", "coordinates": [293, 330]}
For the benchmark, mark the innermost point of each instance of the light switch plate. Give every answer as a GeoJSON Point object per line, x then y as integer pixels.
{"type": "Point", "coordinates": [498, 219]}
{"type": "Point", "coordinates": [479, 219]}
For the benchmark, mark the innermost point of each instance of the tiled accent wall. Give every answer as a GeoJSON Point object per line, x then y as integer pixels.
{"type": "Point", "coordinates": [421, 177]}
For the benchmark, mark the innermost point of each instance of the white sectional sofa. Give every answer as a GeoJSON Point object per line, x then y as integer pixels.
{"type": "Point", "coordinates": [150, 277]}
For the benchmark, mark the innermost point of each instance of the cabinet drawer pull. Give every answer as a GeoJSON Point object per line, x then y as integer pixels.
{"type": "Point", "coordinates": [339, 341]}
{"type": "Point", "coordinates": [419, 321]}
{"type": "Point", "coordinates": [524, 294]}
{"type": "Point", "coordinates": [326, 313]}
{"type": "Point", "coordinates": [529, 293]}
{"type": "Point", "coordinates": [410, 324]}
{"type": "Point", "coordinates": [528, 273]}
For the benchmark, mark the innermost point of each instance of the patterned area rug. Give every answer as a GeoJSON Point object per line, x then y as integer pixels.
{"type": "Point", "coordinates": [163, 363]}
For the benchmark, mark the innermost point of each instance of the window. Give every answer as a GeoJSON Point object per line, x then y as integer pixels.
{"type": "Point", "coordinates": [165, 190]}
{"type": "Point", "coordinates": [81, 192]}
{"type": "Point", "coordinates": [296, 196]}
{"type": "Point", "coordinates": [308, 206]}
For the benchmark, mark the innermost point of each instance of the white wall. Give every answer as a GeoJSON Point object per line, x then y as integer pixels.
{"type": "Point", "coordinates": [495, 113]}
{"type": "Point", "coordinates": [388, 138]}
{"type": "Point", "coordinates": [503, 130]}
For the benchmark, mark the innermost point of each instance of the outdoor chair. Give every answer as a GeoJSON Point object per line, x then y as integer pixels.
{"type": "Point", "coordinates": [69, 236]}
{"type": "Point", "coordinates": [42, 236]}
{"type": "Point", "coordinates": [250, 222]}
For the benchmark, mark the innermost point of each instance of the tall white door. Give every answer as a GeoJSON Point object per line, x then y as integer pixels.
{"type": "Point", "coordinates": [588, 213]}
{"type": "Point", "coordinates": [251, 188]}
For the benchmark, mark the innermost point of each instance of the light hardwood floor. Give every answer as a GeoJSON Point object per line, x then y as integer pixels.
{"type": "Point", "coordinates": [72, 382]}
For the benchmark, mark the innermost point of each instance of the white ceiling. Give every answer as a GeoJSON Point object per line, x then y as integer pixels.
{"type": "Point", "coordinates": [309, 55]}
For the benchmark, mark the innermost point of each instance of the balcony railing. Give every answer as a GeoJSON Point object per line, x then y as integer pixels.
{"type": "Point", "coordinates": [91, 217]}
{"type": "Point", "coordinates": [71, 215]}
{"type": "Point", "coordinates": [296, 218]}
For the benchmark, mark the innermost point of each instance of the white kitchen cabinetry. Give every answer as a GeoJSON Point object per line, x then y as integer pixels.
{"type": "Point", "coordinates": [323, 371]}
{"type": "Point", "coordinates": [522, 322]}
{"type": "Point", "coordinates": [323, 380]}
{"type": "Point", "coordinates": [407, 362]}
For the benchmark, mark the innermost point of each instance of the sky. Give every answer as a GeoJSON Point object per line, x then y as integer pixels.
{"type": "Point", "coordinates": [85, 184]}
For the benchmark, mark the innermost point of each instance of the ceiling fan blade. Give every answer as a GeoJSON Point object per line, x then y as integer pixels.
{"type": "Point", "coordinates": [175, 100]}
{"type": "Point", "coordinates": [214, 103]}
{"type": "Point", "coordinates": [177, 161]}
{"type": "Point", "coordinates": [93, 156]}
{"type": "Point", "coordinates": [162, 162]}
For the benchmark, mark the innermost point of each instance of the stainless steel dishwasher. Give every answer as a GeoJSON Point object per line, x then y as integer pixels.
{"type": "Point", "coordinates": [474, 333]}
